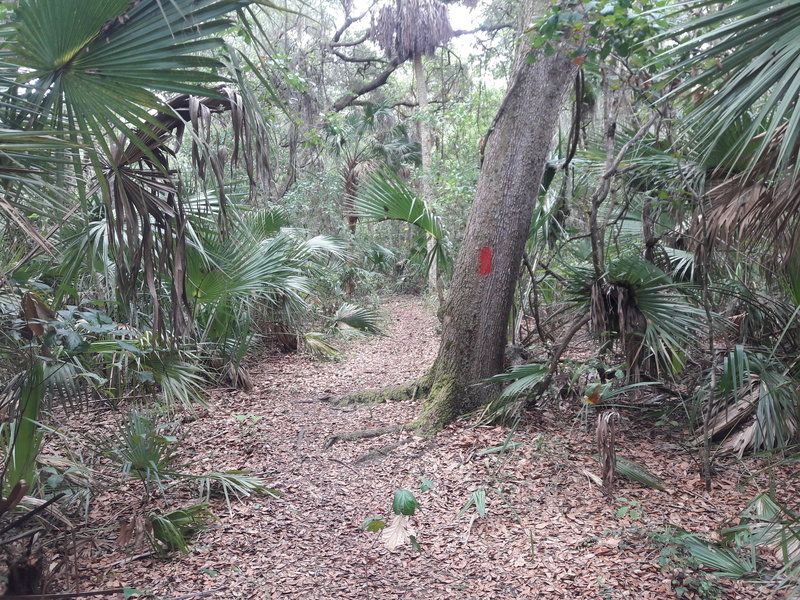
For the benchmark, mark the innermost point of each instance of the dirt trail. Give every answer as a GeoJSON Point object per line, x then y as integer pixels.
{"type": "Point", "coordinates": [548, 531]}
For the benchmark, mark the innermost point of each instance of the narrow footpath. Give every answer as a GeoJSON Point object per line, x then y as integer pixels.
{"type": "Point", "coordinates": [548, 531]}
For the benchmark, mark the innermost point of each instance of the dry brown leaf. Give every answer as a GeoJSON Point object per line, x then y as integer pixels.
{"type": "Point", "coordinates": [398, 533]}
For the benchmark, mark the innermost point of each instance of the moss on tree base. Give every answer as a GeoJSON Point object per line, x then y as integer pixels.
{"type": "Point", "coordinates": [399, 393]}
{"type": "Point", "coordinates": [441, 407]}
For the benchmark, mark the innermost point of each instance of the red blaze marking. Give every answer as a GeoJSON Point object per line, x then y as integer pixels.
{"type": "Point", "coordinates": [485, 260]}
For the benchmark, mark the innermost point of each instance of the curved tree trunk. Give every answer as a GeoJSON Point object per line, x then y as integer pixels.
{"type": "Point", "coordinates": [485, 274]}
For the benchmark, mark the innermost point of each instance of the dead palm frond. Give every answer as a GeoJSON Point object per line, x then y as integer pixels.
{"type": "Point", "coordinates": [146, 216]}
{"type": "Point", "coordinates": [754, 207]}
{"type": "Point", "coordinates": [606, 446]}
{"type": "Point", "coordinates": [652, 317]}
{"type": "Point", "coordinates": [408, 29]}
{"type": "Point", "coordinates": [757, 406]}
{"type": "Point", "coordinates": [95, 72]}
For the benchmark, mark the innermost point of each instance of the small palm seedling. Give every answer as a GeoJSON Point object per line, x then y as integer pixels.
{"type": "Point", "coordinates": [170, 532]}
{"type": "Point", "coordinates": [399, 532]}
{"type": "Point", "coordinates": [231, 484]}
{"type": "Point", "coordinates": [144, 450]}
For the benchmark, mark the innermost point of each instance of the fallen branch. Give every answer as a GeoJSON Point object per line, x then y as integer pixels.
{"type": "Point", "coordinates": [19, 536]}
{"type": "Point", "coordinates": [363, 434]}
{"type": "Point", "coordinates": [29, 515]}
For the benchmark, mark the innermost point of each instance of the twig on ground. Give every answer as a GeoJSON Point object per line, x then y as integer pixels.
{"type": "Point", "coordinates": [125, 561]}
{"type": "Point", "coordinates": [344, 464]}
{"type": "Point", "coordinates": [199, 594]}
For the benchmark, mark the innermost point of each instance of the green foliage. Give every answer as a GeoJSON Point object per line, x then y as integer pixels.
{"type": "Point", "coordinates": [144, 449]}
{"type": "Point", "coordinates": [631, 509]}
{"type": "Point", "coordinates": [602, 29]}
{"type": "Point", "coordinates": [672, 321]}
{"type": "Point", "coordinates": [404, 502]}
{"type": "Point", "coordinates": [21, 438]}
{"type": "Point", "coordinates": [746, 53]}
{"type": "Point", "coordinates": [687, 579]}
{"type": "Point", "coordinates": [356, 317]}
{"type": "Point", "coordinates": [232, 484]}
{"type": "Point", "coordinates": [476, 499]}
{"type": "Point", "coordinates": [172, 531]}
{"type": "Point", "coordinates": [522, 380]}
{"type": "Point", "coordinates": [386, 196]}
{"type": "Point", "coordinates": [754, 383]}
{"type": "Point", "coordinates": [633, 471]}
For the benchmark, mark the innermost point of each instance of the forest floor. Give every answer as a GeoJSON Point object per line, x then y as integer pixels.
{"type": "Point", "coordinates": [548, 531]}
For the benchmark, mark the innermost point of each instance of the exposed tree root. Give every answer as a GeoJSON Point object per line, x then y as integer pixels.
{"type": "Point", "coordinates": [381, 452]}
{"type": "Point", "coordinates": [400, 393]}
{"type": "Point", "coordinates": [362, 434]}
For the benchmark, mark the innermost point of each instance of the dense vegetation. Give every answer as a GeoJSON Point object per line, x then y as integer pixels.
{"type": "Point", "coordinates": [189, 183]}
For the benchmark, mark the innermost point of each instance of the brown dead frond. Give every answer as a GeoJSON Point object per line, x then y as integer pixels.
{"type": "Point", "coordinates": [411, 28]}
{"type": "Point", "coordinates": [606, 447]}
{"type": "Point", "coordinates": [146, 215]}
{"type": "Point", "coordinates": [758, 205]}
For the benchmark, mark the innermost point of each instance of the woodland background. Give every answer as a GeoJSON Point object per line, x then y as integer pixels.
{"type": "Point", "coordinates": [596, 202]}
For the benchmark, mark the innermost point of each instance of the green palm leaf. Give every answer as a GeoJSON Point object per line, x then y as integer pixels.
{"type": "Point", "coordinates": [387, 197]}
{"type": "Point", "coordinates": [748, 54]}
{"type": "Point", "coordinates": [100, 65]}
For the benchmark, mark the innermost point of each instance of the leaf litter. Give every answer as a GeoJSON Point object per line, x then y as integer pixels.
{"type": "Point", "coordinates": [545, 530]}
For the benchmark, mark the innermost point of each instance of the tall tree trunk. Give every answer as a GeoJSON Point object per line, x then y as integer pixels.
{"type": "Point", "coordinates": [426, 151]}
{"type": "Point", "coordinates": [485, 274]}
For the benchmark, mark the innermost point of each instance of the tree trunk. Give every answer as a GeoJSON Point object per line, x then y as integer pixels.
{"type": "Point", "coordinates": [485, 274]}
{"type": "Point", "coordinates": [425, 151]}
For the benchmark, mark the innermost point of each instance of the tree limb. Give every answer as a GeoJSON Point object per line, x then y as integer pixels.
{"type": "Point", "coordinates": [360, 40]}
{"type": "Point", "coordinates": [347, 99]}
{"type": "Point", "coordinates": [352, 59]}
{"type": "Point", "coordinates": [484, 28]}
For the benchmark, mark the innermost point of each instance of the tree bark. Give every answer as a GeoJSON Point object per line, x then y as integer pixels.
{"type": "Point", "coordinates": [486, 270]}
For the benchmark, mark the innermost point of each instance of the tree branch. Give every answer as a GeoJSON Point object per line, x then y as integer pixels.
{"type": "Point", "coordinates": [348, 98]}
{"type": "Point", "coordinates": [349, 21]}
{"type": "Point", "coordinates": [353, 59]}
{"type": "Point", "coordinates": [484, 28]}
{"type": "Point", "coordinates": [360, 40]}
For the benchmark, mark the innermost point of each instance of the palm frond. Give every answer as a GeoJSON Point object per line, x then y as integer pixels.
{"type": "Point", "coordinates": [357, 317]}
{"type": "Point", "coordinates": [747, 54]}
{"type": "Point", "coordinates": [387, 197]}
{"type": "Point", "coordinates": [172, 531]}
{"type": "Point", "coordinates": [758, 398]}
{"type": "Point", "coordinates": [318, 345]}
{"type": "Point", "coordinates": [522, 380]}
{"type": "Point", "coordinates": [233, 484]}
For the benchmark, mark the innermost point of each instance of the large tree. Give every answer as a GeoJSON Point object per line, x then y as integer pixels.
{"type": "Point", "coordinates": [486, 270]}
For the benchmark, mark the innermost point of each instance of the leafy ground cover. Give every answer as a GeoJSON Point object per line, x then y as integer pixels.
{"type": "Point", "coordinates": [537, 526]}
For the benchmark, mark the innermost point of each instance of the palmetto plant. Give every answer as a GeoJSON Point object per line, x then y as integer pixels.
{"type": "Point", "coordinates": [653, 318]}
{"type": "Point", "coordinates": [95, 73]}
{"type": "Point", "coordinates": [743, 77]}
{"type": "Point", "coordinates": [757, 396]}
{"type": "Point", "coordinates": [387, 197]}
{"type": "Point", "coordinates": [365, 141]}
